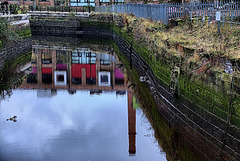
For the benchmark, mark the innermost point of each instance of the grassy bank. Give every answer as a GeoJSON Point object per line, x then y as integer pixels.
{"type": "Point", "coordinates": [9, 34]}
{"type": "Point", "coordinates": [200, 53]}
{"type": "Point", "coordinates": [164, 134]}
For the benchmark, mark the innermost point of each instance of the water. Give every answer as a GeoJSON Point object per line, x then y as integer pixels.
{"type": "Point", "coordinates": [75, 106]}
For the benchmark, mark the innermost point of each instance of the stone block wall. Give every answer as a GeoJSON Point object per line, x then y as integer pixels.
{"type": "Point", "coordinates": [54, 27]}
{"type": "Point", "coordinates": [14, 50]}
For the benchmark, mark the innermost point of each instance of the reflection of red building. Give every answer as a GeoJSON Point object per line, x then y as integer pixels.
{"type": "Point", "coordinates": [55, 67]}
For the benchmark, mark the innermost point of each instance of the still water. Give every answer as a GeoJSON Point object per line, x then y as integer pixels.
{"type": "Point", "coordinates": [75, 105]}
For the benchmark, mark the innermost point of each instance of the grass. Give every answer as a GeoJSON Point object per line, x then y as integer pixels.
{"type": "Point", "coordinates": [24, 33]}
{"type": "Point", "coordinates": [159, 48]}
{"type": "Point", "coordinates": [163, 132]}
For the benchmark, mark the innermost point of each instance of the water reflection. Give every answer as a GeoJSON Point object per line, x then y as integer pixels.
{"type": "Point", "coordinates": [80, 68]}
{"type": "Point", "coordinates": [77, 106]}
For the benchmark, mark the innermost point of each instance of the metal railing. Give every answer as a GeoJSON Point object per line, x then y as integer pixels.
{"type": "Point", "coordinates": [155, 12]}
{"type": "Point", "coordinates": [164, 12]}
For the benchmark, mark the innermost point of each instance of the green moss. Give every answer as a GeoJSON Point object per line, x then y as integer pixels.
{"type": "Point", "coordinates": [24, 33]}
{"type": "Point", "coordinates": [202, 96]}
{"type": "Point", "coordinates": [94, 23]}
{"type": "Point", "coordinates": [7, 74]}
{"type": "Point", "coordinates": [162, 131]}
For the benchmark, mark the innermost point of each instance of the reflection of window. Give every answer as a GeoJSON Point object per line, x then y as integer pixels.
{"type": "Point", "coordinates": [60, 78]}
{"type": "Point", "coordinates": [32, 78]}
{"type": "Point", "coordinates": [83, 57]}
{"type": "Point", "coordinates": [47, 78]}
{"type": "Point", "coordinates": [105, 59]}
{"type": "Point", "coordinates": [104, 78]}
{"type": "Point", "coordinates": [34, 57]}
{"type": "Point", "coordinates": [46, 57]}
{"type": "Point", "coordinates": [61, 57]}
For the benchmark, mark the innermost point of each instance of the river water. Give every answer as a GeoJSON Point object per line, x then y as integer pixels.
{"type": "Point", "coordinates": [75, 104]}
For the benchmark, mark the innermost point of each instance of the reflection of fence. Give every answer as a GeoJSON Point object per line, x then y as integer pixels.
{"type": "Point", "coordinates": [229, 11]}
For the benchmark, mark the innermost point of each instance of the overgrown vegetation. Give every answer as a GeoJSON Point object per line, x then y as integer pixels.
{"type": "Point", "coordinates": [163, 132]}
{"type": "Point", "coordinates": [9, 77]}
{"type": "Point", "coordinates": [7, 32]}
{"type": "Point", "coordinates": [10, 33]}
{"type": "Point", "coordinates": [24, 33]}
{"type": "Point", "coordinates": [201, 54]}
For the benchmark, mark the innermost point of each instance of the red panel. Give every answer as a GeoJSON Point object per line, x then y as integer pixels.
{"type": "Point", "coordinates": [90, 70]}
{"type": "Point", "coordinates": [76, 70]}
{"type": "Point", "coordinates": [46, 70]}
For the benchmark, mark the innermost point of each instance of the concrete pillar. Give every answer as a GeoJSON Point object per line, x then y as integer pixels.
{"type": "Point", "coordinates": [131, 124]}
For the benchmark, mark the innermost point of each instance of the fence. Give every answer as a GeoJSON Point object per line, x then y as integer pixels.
{"type": "Point", "coordinates": [163, 12]}
{"type": "Point", "coordinates": [155, 12]}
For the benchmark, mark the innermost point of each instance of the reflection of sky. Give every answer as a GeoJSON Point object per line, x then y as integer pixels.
{"type": "Point", "coordinates": [71, 127]}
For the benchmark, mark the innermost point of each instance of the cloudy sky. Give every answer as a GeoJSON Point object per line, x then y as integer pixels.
{"type": "Point", "coordinates": [79, 127]}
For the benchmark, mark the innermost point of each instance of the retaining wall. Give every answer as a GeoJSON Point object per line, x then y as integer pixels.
{"type": "Point", "coordinates": [14, 49]}
{"type": "Point", "coordinates": [54, 27]}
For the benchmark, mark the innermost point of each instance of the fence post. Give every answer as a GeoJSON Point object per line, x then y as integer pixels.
{"type": "Point", "coordinates": [165, 12]}
{"type": "Point", "coordinates": [209, 14]}
{"type": "Point", "coordinates": [196, 17]}
{"type": "Point", "coordinates": [223, 18]}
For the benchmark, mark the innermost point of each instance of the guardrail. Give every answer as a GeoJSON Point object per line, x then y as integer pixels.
{"type": "Point", "coordinates": [164, 12]}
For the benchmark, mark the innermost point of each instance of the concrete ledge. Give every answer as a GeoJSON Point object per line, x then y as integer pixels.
{"type": "Point", "coordinates": [49, 14]}
{"type": "Point", "coordinates": [54, 27]}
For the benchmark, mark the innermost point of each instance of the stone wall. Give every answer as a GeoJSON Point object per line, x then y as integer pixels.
{"type": "Point", "coordinates": [54, 27]}
{"type": "Point", "coordinates": [185, 115]}
{"type": "Point", "coordinates": [14, 49]}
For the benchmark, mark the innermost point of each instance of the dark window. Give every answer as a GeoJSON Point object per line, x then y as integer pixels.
{"type": "Point", "coordinates": [104, 78]}
{"type": "Point", "coordinates": [47, 78]}
{"type": "Point", "coordinates": [46, 57]}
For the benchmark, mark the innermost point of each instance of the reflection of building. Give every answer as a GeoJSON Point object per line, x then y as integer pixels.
{"type": "Point", "coordinates": [54, 68]}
